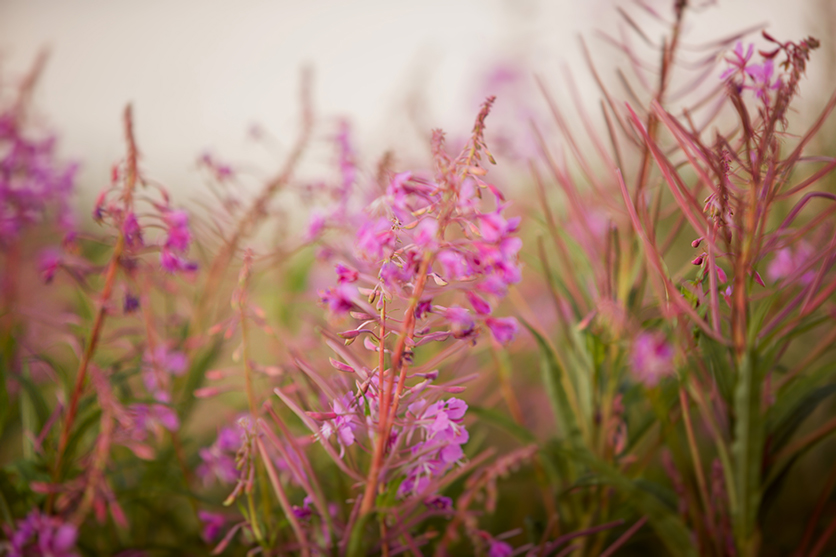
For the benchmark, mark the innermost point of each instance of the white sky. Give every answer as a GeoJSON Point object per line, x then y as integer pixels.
{"type": "Point", "coordinates": [199, 72]}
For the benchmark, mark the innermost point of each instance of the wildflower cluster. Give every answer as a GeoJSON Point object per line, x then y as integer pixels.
{"type": "Point", "coordinates": [34, 184]}
{"type": "Point", "coordinates": [675, 374]}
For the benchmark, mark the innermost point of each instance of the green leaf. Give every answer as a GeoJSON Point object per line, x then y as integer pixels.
{"type": "Point", "coordinates": [356, 543]}
{"type": "Point", "coordinates": [781, 422]}
{"type": "Point", "coordinates": [553, 379]}
{"type": "Point", "coordinates": [5, 403]}
{"type": "Point", "coordinates": [747, 448]}
{"type": "Point", "coordinates": [196, 376]}
{"type": "Point", "coordinates": [645, 496]}
{"type": "Point", "coordinates": [502, 421]}
{"type": "Point", "coordinates": [34, 411]}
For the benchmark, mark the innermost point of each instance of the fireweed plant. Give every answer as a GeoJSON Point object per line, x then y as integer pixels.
{"type": "Point", "coordinates": [694, 345]}
{"type": "Point", "coordinates": [362, 387]}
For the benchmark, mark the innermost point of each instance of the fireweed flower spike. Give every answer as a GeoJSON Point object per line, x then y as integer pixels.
{"type": "Point", "coordinates": [422, 252]}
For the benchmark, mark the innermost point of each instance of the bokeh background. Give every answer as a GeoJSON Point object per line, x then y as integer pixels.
{"type": "Point", "coordinates": [201, 73]}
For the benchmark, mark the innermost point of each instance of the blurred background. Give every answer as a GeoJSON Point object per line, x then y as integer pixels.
{"type": "Point", "coordinates": [201, 73]}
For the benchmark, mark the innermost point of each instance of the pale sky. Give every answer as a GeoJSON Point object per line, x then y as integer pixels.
{"type": "Point", "coordinates": [200, 72]}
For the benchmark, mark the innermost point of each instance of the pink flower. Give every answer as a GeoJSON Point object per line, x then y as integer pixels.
{"type": "Point", "coordinates": [346, 274]}
{"type": "Point", "coordinates": [50, 262]}
{"type": "Point", "coordinates": [651, 358]}
{"type": "Point", "coordinates": [425, 234]}
{"type": "Point", "coordinates": [503, 329]}
{"type": "Point", "coordinates": [171, 263]}
{"type": "Point", "coordinates": [738, 62]}
{"type": "Point", "coordinates": [132, 231]}
{"type": "Point", "coordinates": [461, 323]}
{"type": "Point", "coordinates": [375, 240]}
{"type": "Point", "coordinates": [497, 548]}
{"type": "Point", "coordinates": [339, 300]}
{"type": "Point", "coordinates": [761, 75]}
{"type": "Point", "coordinates": [494, 227]}
{"type": "Point", "coordinates": [787, 261]}
{"type": "Point", "coordinates": [213, 523]}
{"type": "Point", "coordinates": [479, 304]}
{"type": "Point", "coordinates": [179, 236]}
{"type": "Point", "coordinates": [453, 265]}
{"type": "Point", "coordinates": [40, 534]}
{"type": "Point", "coordinates": [343, 423]}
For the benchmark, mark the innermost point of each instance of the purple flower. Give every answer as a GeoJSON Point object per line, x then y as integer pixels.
{"type": "Point", "coordinates": [503, 329]}
{"type": "Point", "coordinates": [737, 64]}
{"type": "Point", "coordinates": [494, 227]}
{"type": "Point", "coordinates": [40, 534]}
{"type": "Point", "coordinates": [423, 308]}
{"type": "Point", "coordinates": [32, 182]}
{"type": "Point", "coordinates": [171, 263]}
{"type": "Point", "coordinates": [651, 358]}
{"type": "Point", "coordinates": [787, 261]}
{"type": "Point", "coordinates": [425, 234]}
{"type": "Point", "coordinates": [346, 274]}
{"type": "Point", "coordinates": [392, 274]}
{"type": "Point", "coordinates": [339, 299]}
{"type": "Point", "coordinates": [453, 265]}
{"type": "Point", "coordinates": [375, 240]}
{"type": "Point", "coordinates": [213, 523]}
{"type": "Point", "coordinates": [343, 424]}
{"type": "Point", "coordinates": [443, 435]}
{"type": "Point", "coordinates": [479, 304]}
{"type": "Point", "coordinates": [229, 439]}
{"type": "Point", "coordinates": [132, 231]}
{"type": "Point", "coordinates": [497, 548]}
{"type": "Point", "coordinates": [217, 465]}
{"type": "Point", "coordinates": [461, 323]}
{"type": "Point", "coordinates": [315, 227]}
{"type": "Point", "coordinates": [131, 303]}
{"type": "Point", "coordinates": [761, 75]}
{"type": "Point", "coordinates": [439, 503]}
{"type": "Point", "coordinates": [179, 236]}
{"type": "Point", "coordinates": [50, 262]}
{"type": "Point", "coordinates": [174, 361]}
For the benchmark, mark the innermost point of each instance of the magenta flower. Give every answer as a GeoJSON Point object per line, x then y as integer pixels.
{"type": "Point", "coordinates": [442, 435]}
{"type": "Point", "coordinates": [454, 265]}
{"type": "Point", "coordinates": [761, 75]}
{"type": "Point", "coordinates": [461, 322]}
{"type": "Point", "coordinates": [651, 358]}
{"type": "Point", "coordinates": [494, 227]}
{"type": "Point", "coordinates": [425, 234]}
{"type": "Point", "coordinates": [132, 231]}
{"type": "Point", "coordinates": [738, 64]}
{"type": "Point", "coordinates": [172, 263]}
{"type": "Point", "coordinates": [131, 303]}
{"type": "Point", "coordinates": [343, 423]}
{"type": "Point", "coordinates": [50, 262]}
{"type": "Point", "coordinates": [40, 534]}
{"type": "Point", "coordinates": [375, 240]}
{"type": "Point", "coordinates": [179, 236]}
{"type": "Point", "coordinates": [498, 548]}
{"type": "Point", "coordinates": [479, 304]}
{"type": "Point", "coordinates": [338, 300]}
{"type": "Point", "coordinates": [439, 503]}
{"type": "Point", "coordinates": [32, 183]}
{"type": "Point", "coordinates": [503, 329]}
{"type": "Point", "coordinates": [346, 274]}
{"type": "Point", "coordinates": [787, 261]}
{"type": "Point", "coordinates": [213, 523]}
